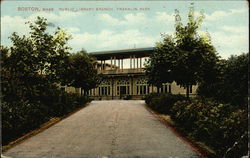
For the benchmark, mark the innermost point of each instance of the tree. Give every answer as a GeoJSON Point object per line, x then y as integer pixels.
{"type": "Point", "coordinates": [50, 50]}
{"type": "Point", "coordinates": [197, 58]}
{"type": "Point", "coordinates": [236, 80]}
{"type": "Point", "coordinates": [159, 67]}
{"type": "Point", "coordinates": [19, 69]}
{"type": "Point", "coordinates": [81, 72]}
{"type": "Point", "coordinates": [231, 85]}
{"type": "Point", "coordinates": [188, 58]}
{"type": "Point", "coordinates": [33, 63]}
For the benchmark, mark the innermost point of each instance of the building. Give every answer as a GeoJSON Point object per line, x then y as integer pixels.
{"type": "Point", "coordinates": [124, 76]}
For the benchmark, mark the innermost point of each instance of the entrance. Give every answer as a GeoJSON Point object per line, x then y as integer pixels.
{"type": "Point", "coordinates": [123, 90]}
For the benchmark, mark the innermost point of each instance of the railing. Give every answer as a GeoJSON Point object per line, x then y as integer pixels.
{"type": "Point", "coordinates": [121, 71]}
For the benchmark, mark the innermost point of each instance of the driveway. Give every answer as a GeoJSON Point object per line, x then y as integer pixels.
{"type": "Point", "coordinates": [106, 129]}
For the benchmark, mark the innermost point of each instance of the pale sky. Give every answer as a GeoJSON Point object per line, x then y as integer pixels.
{"type": "Point", "coordinates": [140, 26]}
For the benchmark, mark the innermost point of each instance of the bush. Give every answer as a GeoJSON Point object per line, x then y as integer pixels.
{"type": "Point", "coordinates": [217, 125]}
{"type": "Point", "coordinates": [127, 97]}
{"type": "Point", "coordinates": [19, 117]}
{"type": "Point", "coordinates": [222, 127]}
{"type": "Point", "coordinates": [162, 102]}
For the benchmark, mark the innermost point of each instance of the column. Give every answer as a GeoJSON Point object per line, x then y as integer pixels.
{"type": "Point", "coordinates": [122, 63]}
{"type": "Point", "coordinates": [111, 62]}
{"type": "Point", "coordinates": [130, 62]}
{"type": "Point", "coordinates": [134, 61]}
{"type": "Point", "coordinates": [119, 64]}
{"type": "Point", "coordinates": [140, 63]}
{"type": "Point", "coordinates": [114, 62]}
{"type": "Point", "coordinates": [137, 63]}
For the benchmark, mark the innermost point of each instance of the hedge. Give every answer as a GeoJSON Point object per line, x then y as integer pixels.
{"type": "Point", "coordinates": [162, 102]}
{"type": "Point", "coordinates": [222, 127]}
{"type": "Point", "coordinates": [19, 117]}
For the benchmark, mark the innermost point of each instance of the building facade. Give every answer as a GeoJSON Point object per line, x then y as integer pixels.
{"type": "Point", "coordinates": [123, 76]}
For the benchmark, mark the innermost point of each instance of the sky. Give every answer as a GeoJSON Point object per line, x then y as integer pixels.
{"type": "Point", "coordinates": [112, 25]}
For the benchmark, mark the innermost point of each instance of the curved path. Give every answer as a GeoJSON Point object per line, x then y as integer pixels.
{"type": "Point", "coordinates": [106, 129]}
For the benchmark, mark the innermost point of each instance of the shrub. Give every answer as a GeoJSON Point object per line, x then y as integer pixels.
{"type": "Point", "coordinates": [222, 127]}
{"type": "Point", "coordinates": [127, 97]}
{"type": "Point", "coordinates": [162, 102]}
{"type": "Point", "coordinates": [217, 125]}
{"type": "Point", "coordinates": [19, 117]}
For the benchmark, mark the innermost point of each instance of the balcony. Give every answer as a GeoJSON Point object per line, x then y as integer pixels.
{"type": "Point", "coordinates": [121, 71]}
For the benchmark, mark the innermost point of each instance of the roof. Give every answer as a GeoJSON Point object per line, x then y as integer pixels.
{"type": "Point", "coordinates": [123, 53]}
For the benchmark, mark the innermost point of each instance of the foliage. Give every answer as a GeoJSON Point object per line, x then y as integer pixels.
{"type": "Point", "coordinates": [19, 117]}
{"type": "Point", "coordinates": [127, 97]}
{"type": "Point", "coordinates": [188, 58]}
{"type": "Point", "coordinates": [49, 50]}
{"type": "Point", "coordinates": [217, 125]}
{"type": "Point", "coordinates": [222, 127]}
{"type": "Point", "coordinates": [33, 61]}
{"type": "Point", "coordinates": [159, 68]}
{"type": "Point", "coordinates": [81, 72]}
{"type": "Point", "coordinates": [162, 102]}
{"type": "Point", "coordinates": [31, 72]}
{"type": "Point", "coordinates": [231, 86]}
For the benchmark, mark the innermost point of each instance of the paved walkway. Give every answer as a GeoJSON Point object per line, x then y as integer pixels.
{"type": "Point", "coordinates": [106, 129]}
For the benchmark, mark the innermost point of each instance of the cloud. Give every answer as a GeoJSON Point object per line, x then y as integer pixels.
{"type": "Point", "coordinates": [237, 11]}
{"type": "Point", "coordinates": [218, 15]}
{"type": "Point", "coordinates": [137, 19]}
{"type": "Point", "coordinates": [164, 17]}
{"type": "Point", "coordinates": [107, 39]}
{"type": "Point", "coordinates": [60, 17]}
{"type": "Point", "coordinates": [16, 23]}
{"type": "Point", "coordinates": [10, 24]}
{"type": "Point", "coordinates": [140, 29]}
{"type": "Point", "coordinates": [228, 43]}
{"type": "Point", "coordinates": [128, 19]}
{"type": "Point", "coordinates": [72, 29]}
{"type": "Point", "coordinates": [108, 19]}
{"type": "Point", "coordinates": [236, 29]}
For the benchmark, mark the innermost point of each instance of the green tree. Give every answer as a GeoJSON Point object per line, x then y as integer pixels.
{"type": "Point", "coordinates": [81, 72]}
{"type": "Point", "coordinates": [159, 67]}
{"type": "Point", "coordinates": [33, 63]}
{"type": "Point", "coordinates": [50, 50]}
{"type": "Point", "coordinates": [231, 86]}
{"type": "Point", "coordinates": [18, 68]}
{"type": "Point", "coordinates": [188, 58]}
{"type": "Point", "coordinates": [197, 58]}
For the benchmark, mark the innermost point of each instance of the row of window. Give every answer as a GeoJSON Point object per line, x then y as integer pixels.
{"type": "Point", "coordinates": [125, 90]}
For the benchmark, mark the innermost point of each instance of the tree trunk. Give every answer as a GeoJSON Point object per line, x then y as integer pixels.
{"type": "Point", "coordinates": [187, 91]}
